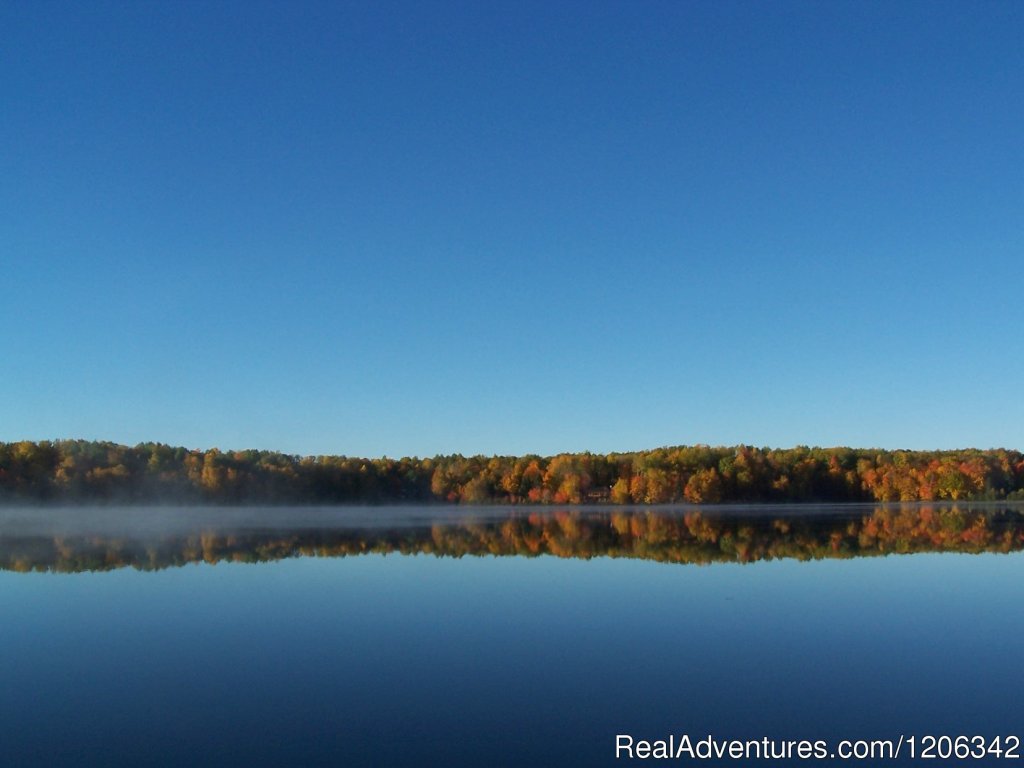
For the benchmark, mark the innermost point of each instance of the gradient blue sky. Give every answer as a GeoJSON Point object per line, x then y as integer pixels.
{"type": "Point", "coordinates": [430, 227]}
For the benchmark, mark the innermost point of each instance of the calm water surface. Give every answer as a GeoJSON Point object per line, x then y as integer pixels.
{"type": "Point", "coordinates": [457, 637]}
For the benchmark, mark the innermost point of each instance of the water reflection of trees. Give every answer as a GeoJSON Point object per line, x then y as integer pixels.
{"type": "Point", "coordinates": [692, 536]}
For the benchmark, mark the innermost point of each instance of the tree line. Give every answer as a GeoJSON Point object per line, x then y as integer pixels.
{"type": "Point", "coordinates": [79, 471]}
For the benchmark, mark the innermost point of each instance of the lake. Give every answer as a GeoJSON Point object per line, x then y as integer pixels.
{"type": "Point", "coordinates": [505, 636]}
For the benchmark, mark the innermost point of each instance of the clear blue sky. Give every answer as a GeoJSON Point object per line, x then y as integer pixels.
{"type": "Point", "coordinates": [385, 228]}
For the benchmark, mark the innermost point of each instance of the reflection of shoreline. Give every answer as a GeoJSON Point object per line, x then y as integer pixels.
{"type": "Point", "coordinates": [685, 536]}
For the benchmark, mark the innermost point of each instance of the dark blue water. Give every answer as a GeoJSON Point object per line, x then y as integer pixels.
{"type": "Point", "coordinates": [498, 660]}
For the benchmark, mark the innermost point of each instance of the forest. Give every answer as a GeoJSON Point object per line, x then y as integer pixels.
{"type": "Point", "coordinates": [90, 472]}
